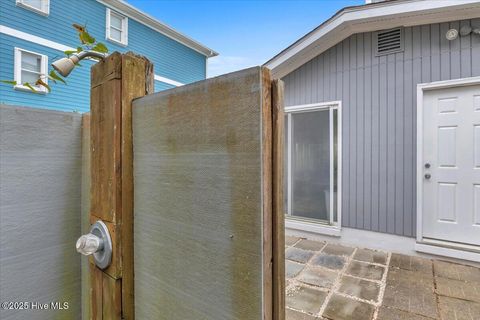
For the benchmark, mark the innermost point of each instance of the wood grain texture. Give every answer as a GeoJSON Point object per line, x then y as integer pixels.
{"type": "Point", "coordinates": [278, 212]}
{"type": "Point", "coordinates": [116, 81]}
{"type": "Point", "coordinates": [85, 213]}
{"type": "Point", "coordinates": [203, 183]}
{"type": "Point", "coordinates": [267, 193]}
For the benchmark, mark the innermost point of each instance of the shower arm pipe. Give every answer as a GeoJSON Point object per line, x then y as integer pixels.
{"type": "Point", "coordinates": [65, 65]}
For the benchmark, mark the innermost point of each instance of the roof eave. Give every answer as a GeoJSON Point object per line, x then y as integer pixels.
{"type": "Point", "coordinates": [367, 18]}
{"type": "Point", "coordinates": [144, 18]}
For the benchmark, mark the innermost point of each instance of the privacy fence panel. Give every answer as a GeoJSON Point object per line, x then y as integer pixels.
{"type": "Point", "coordinates": [203, 200]}
{"type": "Point", "coordinates": [40, 172]}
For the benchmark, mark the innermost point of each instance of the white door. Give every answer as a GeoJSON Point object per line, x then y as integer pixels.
{"type": "Point", "coordinates": [451, 168]}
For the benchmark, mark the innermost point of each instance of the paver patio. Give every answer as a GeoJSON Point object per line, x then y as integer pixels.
{"type": "Point", "coordinates": [331, 281]}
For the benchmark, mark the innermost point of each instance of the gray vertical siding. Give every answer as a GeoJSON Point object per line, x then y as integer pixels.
{"type": "Point", "coordinates": [378, 97]}
{"type": "Point", "coordinates": [40, 154]}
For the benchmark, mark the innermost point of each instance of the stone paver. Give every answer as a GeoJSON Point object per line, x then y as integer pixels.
{"type": "Point", "coordinates": [371, 256]}
{"type": "Point", "coordinates": [331, 281]}
{"type": "Point", "coordinates": [318, 277]}
{"type": "Point", "coordinates": [365, 270]}
{"type": "Point", "coordinates": [296, 315]}
{"type": "Point", "coordinates": [359, 288]}
{"type": "Point", "coordinates": [412, 279]}
{"type": "Point", "coordinates": [338, 250]}
{"type": "Point", "coordinates": [305, 299]}
{"type": "Point", "coordinates": [405, 262]}
{"type": "Point", "coordinates": [395, 314]}
{"type": "Point", "coordinates": [342, 308]}
{"type": "Point", "coordinates": [329, 261]}
{"type": "Point", "coordinates": [310, 245]}
{"type": "Point", "coordinates": [456, 271]}
{"type": "Point", "coordinates": [298, 255]}
{"type": "Point", "coordinates": [292, 268]}
{"type": "Point", "coordinates": [290, 241]}
{"type": "Point", "coordinates": [410, 291]}
{"type": "Point", "coordinates": [456, 309]}
{"type": "Point", "coordinates": [458, 289]}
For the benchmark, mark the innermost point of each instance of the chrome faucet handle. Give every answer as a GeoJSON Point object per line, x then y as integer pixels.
{"type": "Point", "coordinates": [97, 243]}
{"type": "Point", "coordinates": [88, 244]}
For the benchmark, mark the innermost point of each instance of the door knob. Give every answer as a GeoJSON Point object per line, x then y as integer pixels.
{"type": "Point", "coordinates": [97, 243]}
{"type": "Point", "coordinates": [427, 176]}
{"type": "Point", "coordinates": [427, 165]}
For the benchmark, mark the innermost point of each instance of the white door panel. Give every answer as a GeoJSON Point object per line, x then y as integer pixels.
{"type": "Point", "coordinates": [451, 147]}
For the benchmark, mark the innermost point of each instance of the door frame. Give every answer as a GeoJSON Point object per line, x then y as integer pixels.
{"type": "Point", "coordinates": [439, 247]}
{"type": "Point", "coordinates": [310, 225]}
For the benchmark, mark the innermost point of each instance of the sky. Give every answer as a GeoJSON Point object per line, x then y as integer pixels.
{"type": "Point", "coordinates": [245, 33]}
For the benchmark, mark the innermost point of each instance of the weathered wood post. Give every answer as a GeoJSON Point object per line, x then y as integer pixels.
{"type": "Point", "coordinates": [115, 82]}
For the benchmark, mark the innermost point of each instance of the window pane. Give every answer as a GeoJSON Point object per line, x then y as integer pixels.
{"type": "Point", "coordinates": [116, 21]}
{"type": "Point", "coordinates": [37, 4]}
{"type": "Point", "coordinates": [31, 61]}
{"type": "Point", "coordinates": [116, 35]}
{"type": "Point", "coordinates": [311, 165]}
{"type": "Point", "coordinates": [335, 165]}
{"type": "Point", "coordinates": [29, 77]}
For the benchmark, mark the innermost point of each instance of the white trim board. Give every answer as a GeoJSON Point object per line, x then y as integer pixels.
{"type": "Point", "coordinates": [141, 17]}
{"type": "Point", "coordinates": [60, 47]}
{"type": "Point", "coordinates": [439, 247]}
{"type": "Point", "coordinates": [366, 18]}
{"type": "Point", "coordinates": [168, 81]}
{"type": "Point", "coordinates": [380, 241]}
{"type": "Point", "coordinates": [330, 106]}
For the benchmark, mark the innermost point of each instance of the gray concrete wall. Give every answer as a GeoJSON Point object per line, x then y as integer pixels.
{"type": "Point", "coordinates": [40, 187]}
{"type": "Point", "coordinates": [378, 95]}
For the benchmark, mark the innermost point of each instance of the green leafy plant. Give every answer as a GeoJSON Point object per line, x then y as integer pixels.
{"type": "Point", "coordinates": [87, 42]}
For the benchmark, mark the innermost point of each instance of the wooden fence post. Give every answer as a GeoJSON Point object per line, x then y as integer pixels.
{"type": "Point", "coordinates": [115, 82]}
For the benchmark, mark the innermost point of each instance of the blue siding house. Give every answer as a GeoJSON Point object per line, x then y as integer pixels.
{"type": "Point", "coordinates": [34, 33]}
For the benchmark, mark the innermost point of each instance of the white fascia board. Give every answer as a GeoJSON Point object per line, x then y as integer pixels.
{"type": "Point", "coordinates": [60, 47]}
{"type": "Point", "coordinates": [130, 11]}
{"type": "Point", "coordinates": [372, 17]}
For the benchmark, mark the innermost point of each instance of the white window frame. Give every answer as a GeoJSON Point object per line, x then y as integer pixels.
{"type": "Point", "coordinates": [45, 11]}
{"type": "Point", "coordinates": [124, 31]}
{"type": "Point", "coordinates": [18, 70]}
{"type": "Point", "coordinates": [333, 228]}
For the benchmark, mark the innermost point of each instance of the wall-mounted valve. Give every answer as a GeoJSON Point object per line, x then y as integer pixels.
{"type": "Point", "coordinates": [98, 243]}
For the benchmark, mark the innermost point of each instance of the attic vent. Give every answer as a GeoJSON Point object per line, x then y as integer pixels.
{"type": "Point", "coordinates": [388, 41]}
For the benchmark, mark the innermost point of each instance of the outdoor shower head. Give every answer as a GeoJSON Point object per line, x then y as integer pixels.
{"type": "Point", "coordinates": [65, 65]}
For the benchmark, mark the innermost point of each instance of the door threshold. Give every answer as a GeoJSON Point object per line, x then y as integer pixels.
{"type": "Point", "coordinates": [448, 249]}
{"type": "Point", "coordinates": [313, 227]}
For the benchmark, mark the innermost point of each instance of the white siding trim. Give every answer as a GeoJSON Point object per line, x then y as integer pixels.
{"type": "Point", "coordinates": [421, 87]}
{"type": "Point", "coordinates": [17, 70]}
{"type": "Point", "coordinates": [169, 81]}
{"type": "Point", "coordinates": [45, 11]}
{"type": "Point", "coordinates": [386, 242]}
{"type": "Point", "coordinates": [312, 226]}
{"type": "Point", "coordinates": [124, 31]}
{"type": "Point", "coordinates": [60, 47]}
{"type": "Point", "coordinates": [31, 38]}
{"type": "Point", "coordinates": [141, 17]}
{"type": "Point", "coordinates": [367, 18]}
{"type": "Point", "coordinates": [439, 248]}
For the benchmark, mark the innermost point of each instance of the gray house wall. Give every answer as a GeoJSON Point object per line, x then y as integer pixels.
{"type": "Point", "coordinates": [40, 174]}
{"type": "Point", "coordinates": [378, 97]}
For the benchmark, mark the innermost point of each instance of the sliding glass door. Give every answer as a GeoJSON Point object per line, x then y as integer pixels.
{"type": "Point", "coordinates": [311, 154]}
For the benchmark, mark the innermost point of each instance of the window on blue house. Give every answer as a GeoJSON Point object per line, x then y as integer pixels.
{"type": "Point", "coordinates": [29, 67]}
{"type": "Point", "coordinates": [39, 6]}
{"type": "Point", "coordinates": [117, 27]}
